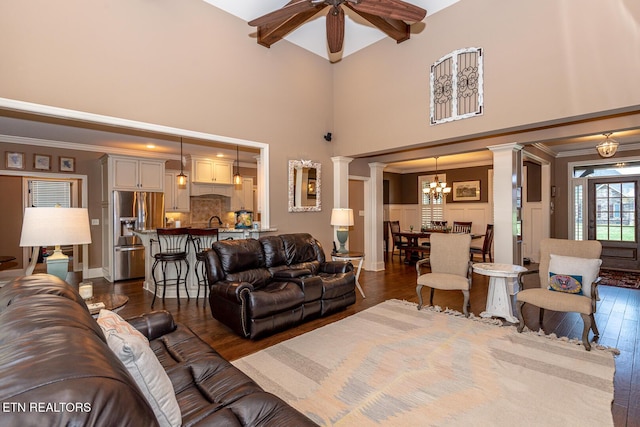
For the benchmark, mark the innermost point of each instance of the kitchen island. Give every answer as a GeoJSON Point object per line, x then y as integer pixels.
{"type": "Point", "coordinates": [149, 239]}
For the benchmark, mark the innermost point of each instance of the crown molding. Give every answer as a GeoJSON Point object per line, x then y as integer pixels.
{"type": "Point", "coordinates": [21, 140]}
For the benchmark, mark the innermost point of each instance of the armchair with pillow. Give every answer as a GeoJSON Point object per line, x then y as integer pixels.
{"type": "Point", "coordinates": [568, 274]}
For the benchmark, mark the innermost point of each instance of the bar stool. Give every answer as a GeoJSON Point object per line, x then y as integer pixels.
{"type": "Point", "coordinates": [202, 239]}
{"type": "Point", "coordinates": [172, 249]}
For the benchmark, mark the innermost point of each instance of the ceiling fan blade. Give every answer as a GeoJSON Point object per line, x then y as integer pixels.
{"type": "Point", "coordinates": [394, 28]}
{"type": "Point", "coordinates": [335, 29]}
{"type": "Point", "coordinates": [283, 13]}
{"type": "Point", "coordinates": [394, 9]}
{"type": "Point", "coordinates": [271, 33]}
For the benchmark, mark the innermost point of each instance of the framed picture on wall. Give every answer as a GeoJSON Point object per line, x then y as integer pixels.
{"type": "Point", "coordinates": [42, 162]}
{"type": "Point", "coordinates": [67, 164]}
{"type": "Point", "coordinates": [311, 188]}
{"type": "Point", "coordinates": [14, 160]}
{"type": "Point", "coordinates": [466, 191]}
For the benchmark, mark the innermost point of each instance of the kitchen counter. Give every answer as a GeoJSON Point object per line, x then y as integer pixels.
{"type": "Point", "coordinates": [149, 240]}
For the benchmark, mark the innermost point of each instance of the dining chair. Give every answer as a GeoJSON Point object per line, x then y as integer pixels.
{"type": "Point", "coordinates": [439, 225]}
{"type": "Point", "coordinates": [385, 236]}
{"type": "Point", "coordinates": [450, 267]}
{"type": "Point", "coordinates": [485, 249]}
{"type": "Point", "coordinates": [398, 242]}
{"type": "Point", "coordinates": [461, 227]}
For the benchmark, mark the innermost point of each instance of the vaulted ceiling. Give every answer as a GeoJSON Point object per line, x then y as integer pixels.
{"type": "Point", "coordinates": [312, 35]}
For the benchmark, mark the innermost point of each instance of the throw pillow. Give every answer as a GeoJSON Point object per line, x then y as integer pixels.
{"type": "Point", "coordinates": [134, 352]}
{"type": "Point", "coordinates": [587, 269]}
{"type": "Point", "coordinates": [110, 321]}
{"type": "Point", "coordinates": [571, 284]}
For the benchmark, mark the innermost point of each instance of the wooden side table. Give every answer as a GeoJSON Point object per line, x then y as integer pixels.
{"type": "Point", "coordinates": [498, 299]}
{"type": "Point", "coordinates": [352, 256]}
{"type": "Point", "coordinates": [111, 301]}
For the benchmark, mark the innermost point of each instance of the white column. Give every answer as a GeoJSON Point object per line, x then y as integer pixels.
{"type": "Point", "coordinates": [341, 181]}
{"type": "Point", "coordinates": [340, 186]}
{"type": "Point", "coordinates": [507, 175]}
{"type": "Point", "coordinates": [263, 187]}
{"type": "Point", "coordinates": [374, 217]}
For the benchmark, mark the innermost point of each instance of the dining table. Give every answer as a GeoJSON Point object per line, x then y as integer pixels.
{"type": "Point", "coordinates": [413, 248]}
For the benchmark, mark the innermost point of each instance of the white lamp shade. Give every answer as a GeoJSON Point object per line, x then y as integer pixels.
{"type": "Point", "coordinates": [342, 217]}
{"type": "Point", "coordinates": [55, 227]}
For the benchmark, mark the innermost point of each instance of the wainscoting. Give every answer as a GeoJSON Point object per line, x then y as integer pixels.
{"type": "Point", "coordinates": [478, 213]}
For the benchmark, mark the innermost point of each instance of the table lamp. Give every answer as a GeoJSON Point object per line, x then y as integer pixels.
{"type": "Point", "coordinates": [343, 218]}
{"type": "Point", "coordinates": [54, 227]}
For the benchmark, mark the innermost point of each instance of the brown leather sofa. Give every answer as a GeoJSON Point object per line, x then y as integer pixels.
{"type": "Point", "coordinates": [261, 286]}
{"type": "Point", "coordinates": [56, 368]}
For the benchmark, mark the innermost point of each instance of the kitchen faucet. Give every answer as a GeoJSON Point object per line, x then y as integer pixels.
{"type": "Point", "coordinates": [216, 217]}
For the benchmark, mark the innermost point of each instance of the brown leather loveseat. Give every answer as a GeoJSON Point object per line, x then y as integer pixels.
{"type": "Point", "coordinates": [57, 369]}
{"type": "Point", "coordinates": [260, 286]}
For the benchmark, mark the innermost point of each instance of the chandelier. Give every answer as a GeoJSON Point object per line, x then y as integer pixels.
{"type": "Point", "coordinates": [436, 189]}
{"type": "Point", "coordinates": [608, 147]}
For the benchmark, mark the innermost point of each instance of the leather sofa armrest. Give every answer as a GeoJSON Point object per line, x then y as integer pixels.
{"type": "Point", "coordinates": [231, 291]}
{"type": "Point", "coordinates": [291, 274]}
{"type": "Point", "coordinates": [336, 267]}
{"type": "Point", "coordinates": [155, 324]}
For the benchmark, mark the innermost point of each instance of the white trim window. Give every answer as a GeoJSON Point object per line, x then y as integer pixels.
{"type": "Point", "coordinates": [430, 210]}
{"type": "Point", "coordinates": [49, 194]}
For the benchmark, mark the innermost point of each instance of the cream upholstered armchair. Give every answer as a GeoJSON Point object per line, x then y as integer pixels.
{"type": "Point", "coordinates": [450, 267]}
{"type": "Point", "coordinates": [568, 274]}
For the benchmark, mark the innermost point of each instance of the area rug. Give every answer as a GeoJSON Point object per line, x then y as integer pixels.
{"type": "Point", "coordinates": [393, 365]}
{"type": "Point", "coordinates": [620, 279]}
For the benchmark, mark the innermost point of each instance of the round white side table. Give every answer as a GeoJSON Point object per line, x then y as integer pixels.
{"type": "Point", "coordinates": [498, 299]}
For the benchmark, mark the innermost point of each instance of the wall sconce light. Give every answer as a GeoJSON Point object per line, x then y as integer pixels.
{"type": "Point", "coordinates": [608, 147]}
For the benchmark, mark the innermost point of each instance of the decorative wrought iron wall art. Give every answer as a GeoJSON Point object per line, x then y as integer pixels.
{"type": "Point", "coordinates": [456, 86]}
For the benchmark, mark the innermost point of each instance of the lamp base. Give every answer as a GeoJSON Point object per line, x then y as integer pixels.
{"type": "Point", "coordinates": [58, 264]}
{"type": "Point", "coordinates": [342, 235]}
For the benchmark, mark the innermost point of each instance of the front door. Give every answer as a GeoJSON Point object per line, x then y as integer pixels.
{"type": "Point", "coordinates": [612, 220]}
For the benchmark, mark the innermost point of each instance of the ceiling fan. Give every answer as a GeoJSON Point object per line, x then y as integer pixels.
{"type": "Point", "coordinates": [387, 15]}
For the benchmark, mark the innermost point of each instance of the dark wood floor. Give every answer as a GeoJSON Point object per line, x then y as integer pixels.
{"type": "Point", "coordinates": [617, 317]}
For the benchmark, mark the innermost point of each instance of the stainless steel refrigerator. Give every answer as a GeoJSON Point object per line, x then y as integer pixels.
{"type": "Point", "coordinates": [133, 210]}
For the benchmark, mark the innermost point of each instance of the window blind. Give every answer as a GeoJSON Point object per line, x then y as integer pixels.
{"type": "Point", "coordinates": [430, 210]}
{"type": "Point", "coordinates": [48, 194]}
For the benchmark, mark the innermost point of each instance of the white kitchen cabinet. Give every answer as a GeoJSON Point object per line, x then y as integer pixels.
{"type": "Point", "coordinates": [211, 189]}
{"type": "Point", "coordinates": [211, 171]}
{"type": "Point", "coordinates": [242, 198]}
{"type": "Point", "coordinates": [176, 197]}
{"type": "Point", "coordinates": [135, 174]}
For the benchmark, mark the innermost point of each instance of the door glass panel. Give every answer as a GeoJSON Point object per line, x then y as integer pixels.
{"type": "Point", "coordinates": [577, 212]}
{"type": "Point", "coordinates": [615, 212]}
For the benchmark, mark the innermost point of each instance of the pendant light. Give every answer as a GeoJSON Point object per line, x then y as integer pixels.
{"type": "Point", "coordinates": [436, 189]}
{"type": "Point", "coordinates": [608, 147]}
{"type": "Point", "coordinates": [182, 178]}
{"type": "Point", "coordinates": [237, 178]}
